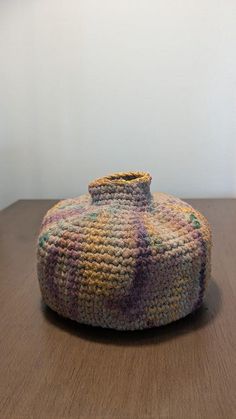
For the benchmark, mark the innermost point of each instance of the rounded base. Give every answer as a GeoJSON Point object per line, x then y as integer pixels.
{"type": "Point", "coordinates": [127, 326]}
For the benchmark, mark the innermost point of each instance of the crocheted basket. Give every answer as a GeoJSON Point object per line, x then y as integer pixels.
{"type": "Point", "coordinates": [123, 258]}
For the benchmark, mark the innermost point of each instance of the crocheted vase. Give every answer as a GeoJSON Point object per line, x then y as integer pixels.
{"type": "Point", "coordinates": [123, 258]}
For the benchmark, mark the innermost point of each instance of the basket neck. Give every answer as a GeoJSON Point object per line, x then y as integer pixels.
{"type": "Point", "coordinates": [127, 189]}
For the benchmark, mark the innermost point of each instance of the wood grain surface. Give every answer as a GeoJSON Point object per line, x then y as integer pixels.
{"type": "Point", "coordinates": [55, 368]}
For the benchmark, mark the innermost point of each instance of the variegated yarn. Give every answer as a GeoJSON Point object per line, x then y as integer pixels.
{"type": "Point", "coordinates": [123, 258]}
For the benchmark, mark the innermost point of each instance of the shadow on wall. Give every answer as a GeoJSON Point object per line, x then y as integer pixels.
{"type": "Point", "coordinates": [194, 321]}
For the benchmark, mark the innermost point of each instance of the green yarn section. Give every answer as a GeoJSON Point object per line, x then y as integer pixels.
{"type": "Point", "coordinates": [92, 215]}
{"type": "Point", "coordinates": [43, 239]}
{"type": "Point", "coordinates": [194, 221]}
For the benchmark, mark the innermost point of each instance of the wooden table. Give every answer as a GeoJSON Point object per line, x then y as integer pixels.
{"type": "Point", "coordinates": [54, 368]}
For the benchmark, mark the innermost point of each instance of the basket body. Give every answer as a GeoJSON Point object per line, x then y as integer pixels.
{"type": "Point", "coordinates": [123, 258]}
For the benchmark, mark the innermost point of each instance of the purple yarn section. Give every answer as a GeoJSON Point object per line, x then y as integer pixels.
{"type": "Point", "coordinates": [202, 274]}
{"type": "Point", "coordinates": [133, 299]}
{"type": "Point", "coordinates": [50, 283]}
{"type": "Point", "coordinates": [63, 214]}
{"type": "Point", "coordinates": [72, 286]}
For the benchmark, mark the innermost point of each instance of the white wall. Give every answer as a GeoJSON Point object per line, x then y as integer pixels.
{"type": "Point", "coordinates": [89, 87]}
